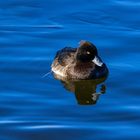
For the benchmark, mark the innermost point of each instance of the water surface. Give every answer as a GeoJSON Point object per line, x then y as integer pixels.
{"type": "Point", "coordinates": [34, 108]}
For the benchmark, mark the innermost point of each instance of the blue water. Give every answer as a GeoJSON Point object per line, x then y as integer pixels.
{"type": "Point", "coordinates": [37, 108]}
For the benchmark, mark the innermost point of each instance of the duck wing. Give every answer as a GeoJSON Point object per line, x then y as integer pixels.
{"type": "Point", "coordinates": [65, 56]}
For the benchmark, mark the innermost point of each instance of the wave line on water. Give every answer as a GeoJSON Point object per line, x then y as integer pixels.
{"type": "Point", "coordinates": [47, 74]}
{"type": "Point", "coordinates": [34, 26]}
{"type": "Point", "coordinates": [45, 126]}
{"type": "Point", "coordinates": [10, 121]}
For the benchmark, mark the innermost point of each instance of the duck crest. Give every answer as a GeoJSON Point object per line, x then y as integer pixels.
{"type": "Point", "coordinates": [85, 43]}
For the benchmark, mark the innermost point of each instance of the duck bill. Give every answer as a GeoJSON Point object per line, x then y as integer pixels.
{"type": "Point", "coordinates": [97, 61]}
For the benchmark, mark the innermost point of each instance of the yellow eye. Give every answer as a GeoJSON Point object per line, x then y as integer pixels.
{"type": "Point", "coordinates": [88, 52]}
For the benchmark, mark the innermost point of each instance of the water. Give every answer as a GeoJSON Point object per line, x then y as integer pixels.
{"type": "Point", "coordinates": [33, 107]}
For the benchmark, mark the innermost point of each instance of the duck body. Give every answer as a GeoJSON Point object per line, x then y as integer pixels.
{"type": "Point", "coordinates": [78, 64]}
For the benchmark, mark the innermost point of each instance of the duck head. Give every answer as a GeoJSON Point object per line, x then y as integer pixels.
{"type": "Point", "coordinates": [87, 52]}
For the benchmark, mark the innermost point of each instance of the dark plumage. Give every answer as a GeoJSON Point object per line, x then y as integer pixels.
{"type": "Point", "coordinates": [79, 63]}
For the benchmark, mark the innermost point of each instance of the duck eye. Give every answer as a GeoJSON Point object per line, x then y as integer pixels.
{"type": "Point", "coordinates": [88, 52]}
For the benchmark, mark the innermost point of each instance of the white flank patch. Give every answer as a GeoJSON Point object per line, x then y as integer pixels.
{"type": "Point", "coordinates": [58, 72]}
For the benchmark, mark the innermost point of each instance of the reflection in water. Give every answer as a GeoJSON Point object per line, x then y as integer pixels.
{"type": "Point", "coordinates": [85, 90]}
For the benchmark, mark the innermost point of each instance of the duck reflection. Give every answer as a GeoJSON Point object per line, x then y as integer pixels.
{"type": "Point", "coordinates": [85, 90]}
